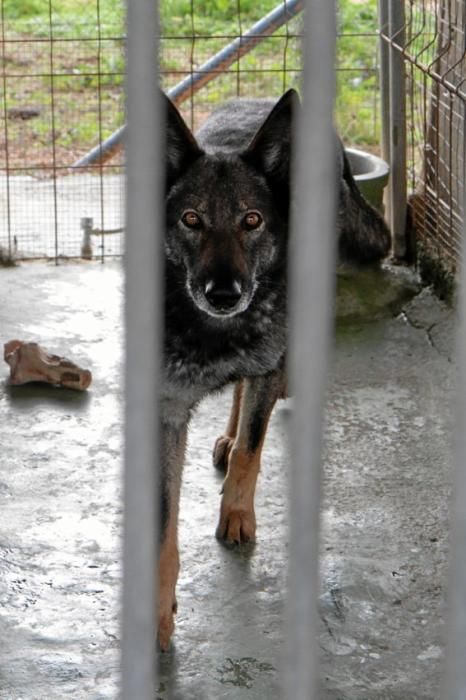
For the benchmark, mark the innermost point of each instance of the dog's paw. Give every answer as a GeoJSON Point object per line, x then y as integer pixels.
{"type": "Point", "coordinates": [236, 526]}
{"type": "Point", "coordinates": [166, 625]}
{"type": "Point", "coordinates": [221, 452]}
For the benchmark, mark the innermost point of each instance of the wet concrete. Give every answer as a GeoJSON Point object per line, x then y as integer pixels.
{"type": "Point", "coordinates": [386, 489]}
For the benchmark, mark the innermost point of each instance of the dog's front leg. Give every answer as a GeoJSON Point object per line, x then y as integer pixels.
{"type": "Point", "coordinates": [173, 445]}
{"type": "Point", "coordinates": [224, 443]}
{"type": "Point", "coordinates": [256, 400]}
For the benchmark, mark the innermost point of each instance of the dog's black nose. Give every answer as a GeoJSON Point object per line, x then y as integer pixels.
{"type": "Point", "coordinates": [222, 295]}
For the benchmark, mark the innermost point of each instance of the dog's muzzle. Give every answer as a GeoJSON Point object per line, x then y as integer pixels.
{"type": "Point", "coordinates": [221, 296]}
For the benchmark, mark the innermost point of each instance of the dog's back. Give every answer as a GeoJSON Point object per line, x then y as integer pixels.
{"type": "Point", "coordinates": [362, 233]}
{"type": "Point", "coordinates": [232, 126]}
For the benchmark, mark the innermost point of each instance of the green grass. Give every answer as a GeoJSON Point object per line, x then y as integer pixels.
{"type": "Point", "coordinates": [99, 24]}
{"type": "Point", "coordinates": [63, 18]}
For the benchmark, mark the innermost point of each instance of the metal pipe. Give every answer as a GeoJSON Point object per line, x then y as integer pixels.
{"type": "Point", "coordinates": [312, 274]}
{"type": "Point", "coordinates": [143, 292]}
{"type": "Point", "coordinates": [384, 77]}
{"type": "Point", "coordinates": [207, 72]}
{"type": "Point", "coordinates": [398, 177]}
{"type": "Point", "coordinates": [455, 678]}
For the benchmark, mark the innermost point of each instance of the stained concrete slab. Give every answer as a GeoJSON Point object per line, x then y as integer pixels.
{"type": "Point", "coordinates": [384, 516]}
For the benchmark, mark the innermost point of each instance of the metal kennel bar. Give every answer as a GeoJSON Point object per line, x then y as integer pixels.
{"type": "Point", "coordinates": [310, 329]}
{"type": "Point", "coordinates": [397, 92]}
{"type": "Point", "coordinates": [384, 73]}
{"type": "Point", "coordinates": [143, 342]}
{"type": "Point", "coordinates": [311, 289]}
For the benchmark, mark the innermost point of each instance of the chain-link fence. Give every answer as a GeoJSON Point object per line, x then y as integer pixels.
{"type": "Point", "coordinates": [430, 39]}
{"type": "Point", "coordinates": [62, 74]}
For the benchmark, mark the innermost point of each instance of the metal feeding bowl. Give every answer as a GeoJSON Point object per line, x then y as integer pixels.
{"type": "Point", "coordinates": [371, 175]}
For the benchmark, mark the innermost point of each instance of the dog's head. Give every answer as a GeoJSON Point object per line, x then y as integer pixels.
{"type": "Point", "coordinates": [227, 212]}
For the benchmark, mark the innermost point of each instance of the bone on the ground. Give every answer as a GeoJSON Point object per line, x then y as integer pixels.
{"type": "Point", "coordinates": [31, 363]}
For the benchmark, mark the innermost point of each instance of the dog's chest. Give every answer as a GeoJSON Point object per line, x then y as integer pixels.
{"type": "Point", "coordinates": [206, 361]}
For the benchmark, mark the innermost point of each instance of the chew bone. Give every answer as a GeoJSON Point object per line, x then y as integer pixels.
{"type": "Point", "coordinates": [31, 363]}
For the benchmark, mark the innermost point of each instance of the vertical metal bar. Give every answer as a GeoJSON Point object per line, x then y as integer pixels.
{"type": "Point", "coordinates": [144, 272]}
{"type": "Point", "coordinates": [5, 128]}
{"type": "Point", "coordinates": [384, 77]}
{"type": "Point", "coordinates": [398, 178]}
{"type": "Point", "coordinates": [455, 680]}
{"type": "Point", "coordinates": [312, 277]}
{"type": "Point", "coordinates": [100, 125]}
{"type": "Point", "coordinates": [53, 127]}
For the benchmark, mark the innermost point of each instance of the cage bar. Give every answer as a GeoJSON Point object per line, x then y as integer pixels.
{"type": "Point", "coordinates": [311, 282]}
{"type": "Point", "coordinates": [384, 77]}
{"type": "Point", "coordinates": [398, 179]}
{"type": "Point", "coordinates": [383, 8]}
{"type": "Point", "coordinates": [143, 323]}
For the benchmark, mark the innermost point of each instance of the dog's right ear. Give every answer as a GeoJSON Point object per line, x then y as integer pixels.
{"type": "Point", "coordinates": [181, 146]}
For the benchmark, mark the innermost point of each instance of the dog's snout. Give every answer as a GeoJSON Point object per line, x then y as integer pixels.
{"type": "Point", "coordinates": [221, 294]}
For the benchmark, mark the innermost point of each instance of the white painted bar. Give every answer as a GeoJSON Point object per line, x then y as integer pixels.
{"type": "Point", "coordinates": [312, 275]}
{"type": "Point", "coordinates": [144, 272]}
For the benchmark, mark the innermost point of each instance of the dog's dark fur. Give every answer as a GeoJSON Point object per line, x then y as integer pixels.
{"type": "Point", "coordinates": [227, 210]}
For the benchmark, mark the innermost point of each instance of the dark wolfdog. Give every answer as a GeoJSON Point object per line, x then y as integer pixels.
{"type": "Point", "coordinates": [227, 210]}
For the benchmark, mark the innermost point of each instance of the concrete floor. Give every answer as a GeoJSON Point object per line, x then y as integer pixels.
{"type": "Point", "coordinates": [386, 488]}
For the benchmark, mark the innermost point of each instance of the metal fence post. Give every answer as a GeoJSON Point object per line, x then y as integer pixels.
{"type": "Point", "coordinates": [398, 177]}
{"type": "Point", "coordinates": [312, 274]}
{"type": "Point", "coordinates": [384, 78]}
{"type": "Point", "coordinates": [144, 272]}
{"type": "Point", "coordinates": [383, 10]}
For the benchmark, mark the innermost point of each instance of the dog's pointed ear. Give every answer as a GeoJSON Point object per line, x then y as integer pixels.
{"type": "Point", "coordinates": [181, 146]}
{"type": "Point", "coordinates": [270, 149]}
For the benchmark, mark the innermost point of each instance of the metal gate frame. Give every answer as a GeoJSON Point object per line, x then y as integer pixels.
{"type": "Point", "coordinates": [310, 313]}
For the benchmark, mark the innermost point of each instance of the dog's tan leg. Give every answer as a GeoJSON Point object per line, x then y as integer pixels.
{"type": "Point", "coordinates": [224, 443]}
{"type": "Point", "coordinates": [237, 518]}
{"type": "Point", "coordinates": [174, 444]}
{"type": "Point", "coordinates": [169, 566]}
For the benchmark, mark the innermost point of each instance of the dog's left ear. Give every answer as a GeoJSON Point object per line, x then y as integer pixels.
{"type": "Point", "coordinates": [270, 149]}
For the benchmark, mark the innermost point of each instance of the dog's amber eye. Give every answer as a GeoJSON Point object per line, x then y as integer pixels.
{"type": "Point", "coordinates": [252, 220]}
{"type": "Point", "coordinates": [191, 219]}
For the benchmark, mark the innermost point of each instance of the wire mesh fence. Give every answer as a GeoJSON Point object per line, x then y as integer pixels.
{"type": "Point", "coordinates": [62, 73]}
{"type": "Point", "coordinates": [62, 89]}
{"type": "Point", "coordinates": [433, 49]}
{"type": "Point", "coordinates": [62, 68]}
